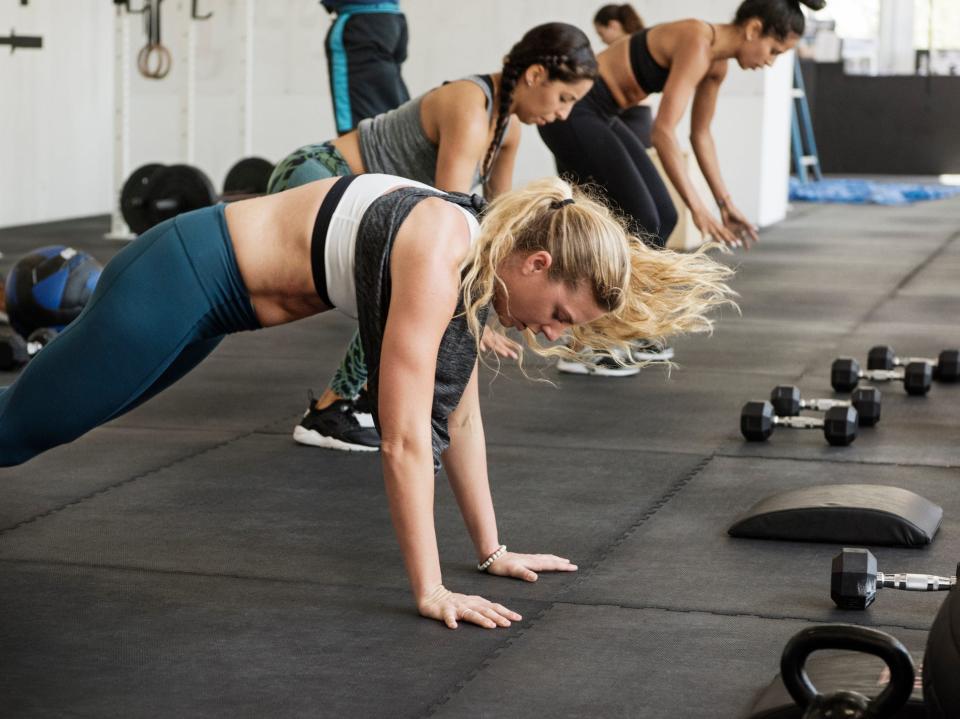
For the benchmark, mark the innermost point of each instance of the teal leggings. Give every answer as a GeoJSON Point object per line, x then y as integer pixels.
{"type": "Point", "coordinates": [318, 162]}
{"type": "Point", "coordinates": [162, 304]}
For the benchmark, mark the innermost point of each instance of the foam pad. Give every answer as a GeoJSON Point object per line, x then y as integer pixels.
{"type": "Point", "coordinates": [941, 663]}
{"type": "Point", "coordinates": [831, 673]}
{"type": "Point", "coordinates": [843, 514]}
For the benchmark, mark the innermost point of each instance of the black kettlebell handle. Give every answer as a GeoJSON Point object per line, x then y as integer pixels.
{"type": "Point", "coordinates": [855, 639]}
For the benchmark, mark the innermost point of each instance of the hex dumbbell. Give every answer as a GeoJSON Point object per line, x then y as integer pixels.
{"type": "Point", "coordinates": [787, 402]}
{"type": "Point", "coordinates": [758, 420]}
{"type": "Point", "coordinates": [946, 367]}
{"type": "Point", "coordinates": [917, 377]}
{"type": "Point", "coordinates": [15, 352]}
{"type": "Point", "coordinates": [854, 580]}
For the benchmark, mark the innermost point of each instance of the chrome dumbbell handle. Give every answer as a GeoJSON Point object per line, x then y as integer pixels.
{"type": "Point", "coordinates": [799, 422]}
{"type": "Point", "coordinates": [882, 375]}
{"type": "Point", "coordinates": [916, 582]}
{"type": "Point", "coordinates": [822, 405]}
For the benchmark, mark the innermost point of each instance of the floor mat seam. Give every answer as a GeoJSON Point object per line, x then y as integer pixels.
{"type": "Point", "coordinates": [733, 613]}
{"type": "Point", "coordinates": [485, 662]}
{"type": "Point", "coordinates": [672, 491]}
{"type": "Point", "coordinates": [857, 324]}
{"type": "Point", "coordinates": [128, 480]}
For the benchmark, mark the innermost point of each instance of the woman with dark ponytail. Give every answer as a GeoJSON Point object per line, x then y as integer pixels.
{"type": "Point", "coordinates": [686, 61]}
{"type": "Point", "coordinates": [613, 22]}
{"type": "Point", "coordinates": [453, 137]}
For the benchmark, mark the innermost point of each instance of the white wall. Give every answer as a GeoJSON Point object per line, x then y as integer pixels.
{"type": "Point", "coordinates": [448, 38]}
{"type": "Point", "coordinates": [55, 112]}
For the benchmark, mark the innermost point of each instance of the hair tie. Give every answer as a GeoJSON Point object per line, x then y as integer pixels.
{"type": "Point", "coordinates": [557, 204]}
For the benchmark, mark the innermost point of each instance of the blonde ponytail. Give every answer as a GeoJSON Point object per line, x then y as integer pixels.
{"type": "Point", "coordinates": [647, 293]}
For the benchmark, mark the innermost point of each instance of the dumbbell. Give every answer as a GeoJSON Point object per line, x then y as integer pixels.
{"type": "Point", "coordinates": [154, 193]}
{"type": "Point", "coordinates": [917, 377]}
{"type": "Point", "coordinates": [758, 420]}
{"type": "Point", "coordinates": [946, 368]}
{"type": "Point", "coordinates": [787, 402]}
{"type": "Point", "coordinates": [854, 580]}
{"type": "Point", "coordinates": [16, 352]}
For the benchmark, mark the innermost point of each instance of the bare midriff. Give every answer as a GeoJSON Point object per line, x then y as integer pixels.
{"type": "Point", "coordinates": [616, 72]}
{"type": "Point", "coordinates": [349, 146]}
{"type": "Point", "coordinates": [271, 238]}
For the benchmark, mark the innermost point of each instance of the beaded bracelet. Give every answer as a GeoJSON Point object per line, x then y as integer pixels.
{"type": "Point", "coordinates": [482, 567]}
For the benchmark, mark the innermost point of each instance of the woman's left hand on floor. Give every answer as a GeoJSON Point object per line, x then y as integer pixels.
{"type": "Point", "coordinates": [526, 566]}
{"type": "Point", "coordinates": [491, 341]}
{"type": "Point", "coordinates": [739, 225]}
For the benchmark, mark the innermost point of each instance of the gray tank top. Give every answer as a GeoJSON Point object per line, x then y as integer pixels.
{"type": "Point", "coordinates": [458, 349]}
{"type": "Point", "coordinates": [394, 143]}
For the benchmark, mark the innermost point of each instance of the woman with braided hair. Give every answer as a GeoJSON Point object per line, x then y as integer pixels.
{"type": "Point", "coordinates": [686, 61]}
{"type": "Point", "coordinates": [453, 137]}
{"type": "Point", "coordinates": [419, 272]}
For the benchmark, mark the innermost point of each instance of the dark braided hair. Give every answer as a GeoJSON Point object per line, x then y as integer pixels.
{"type": "Point", "coordinates": [780, 18]}
{"type": "Point", "coordinates": [565, 53]}
{"type": "Point", "coordinates": [624, 14]}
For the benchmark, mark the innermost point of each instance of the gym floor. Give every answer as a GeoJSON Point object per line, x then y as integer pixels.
{"type": "Point", "coordinates": [190, 559]}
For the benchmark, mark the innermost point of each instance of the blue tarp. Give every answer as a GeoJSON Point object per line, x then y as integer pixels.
{"type": "Point", "coordinates": [861, 192]}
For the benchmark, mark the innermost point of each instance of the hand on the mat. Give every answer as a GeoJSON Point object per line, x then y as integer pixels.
{"type": "Point", "coordinates": [491, 341]}
{"type": "Point", "coordinates": [712, 229]}
{"type": "Point", "coordinates": [739, 225]}
{"type": "Point", "coordinates": [526, 566]}
{"type": "Point", "coordinates": [447, 607]}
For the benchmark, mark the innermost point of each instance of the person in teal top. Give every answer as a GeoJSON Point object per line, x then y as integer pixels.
{"type": "Point", "coordinates": [366, 45]}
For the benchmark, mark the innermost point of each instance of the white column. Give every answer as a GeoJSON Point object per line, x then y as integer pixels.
{"type": "Point", "coordinates": [189, 102]}
{"type": "Point", "coordinates": [122, 61]}
{"type": "Point", "coordinates": [896, 52]}
{"type": "Point", "coordinates": [247, 66]}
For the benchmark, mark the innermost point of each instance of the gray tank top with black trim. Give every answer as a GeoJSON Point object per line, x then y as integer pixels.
{"type": "Point", "coordinates": [394, 143]}
{"type": "Point", "coordinates": [458, 348]}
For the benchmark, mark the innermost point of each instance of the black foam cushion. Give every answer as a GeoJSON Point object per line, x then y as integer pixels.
{"type": "Point", "coordinates": [843, 514]}
{"type": "Point", "coordinates": [941, 663]}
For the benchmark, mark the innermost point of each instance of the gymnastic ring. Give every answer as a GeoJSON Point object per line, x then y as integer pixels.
{"type": "Point", "coordinates": [155, 54]}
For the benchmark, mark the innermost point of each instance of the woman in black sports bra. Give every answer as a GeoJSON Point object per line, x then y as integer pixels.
{"type": "Point", "coordinates": [613, 22]}
{"type": "Point", "coordinates": [687, 62]}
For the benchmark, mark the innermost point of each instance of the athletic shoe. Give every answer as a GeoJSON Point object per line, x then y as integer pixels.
{"type": "Point", "coordinates": [336, 427]}
{"type": "Point", "coordinates": [600, 365]}
{"type": "Point", "coordinates": [363, 409]}
{"type": "Point", "coordinates": [643, 351]}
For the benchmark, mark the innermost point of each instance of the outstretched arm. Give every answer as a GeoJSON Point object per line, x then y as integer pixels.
{"type": "Point", "coordinates": [466, 465]}
{"type": "Point", "coordinates": [688, 69]}
{"type": "Point", "coordinates": [704, 106]}
{"type": "Point", "coordinates": [426, 285]}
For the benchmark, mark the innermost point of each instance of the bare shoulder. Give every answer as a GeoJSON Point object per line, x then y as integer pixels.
{"type": "Point", "coordinates": [435, 234]}
{"type": "Point", "coordinates": [461, 102]}
{"type": "Point", "coordinates": [687, 36]}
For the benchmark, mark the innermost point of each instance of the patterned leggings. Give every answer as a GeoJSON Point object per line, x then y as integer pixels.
{"type": "Point", "coordinates": [318, 162]}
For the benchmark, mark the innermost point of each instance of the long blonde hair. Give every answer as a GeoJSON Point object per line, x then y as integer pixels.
{"type": "Point", "coordinates": [647, 293]}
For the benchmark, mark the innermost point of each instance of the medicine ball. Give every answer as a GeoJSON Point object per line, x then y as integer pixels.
{"type": "Point", "coordinates": [49, 287]}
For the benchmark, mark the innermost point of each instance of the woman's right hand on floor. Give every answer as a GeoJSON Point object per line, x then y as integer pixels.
{"type": "Point", "coordinates": [449, 607]}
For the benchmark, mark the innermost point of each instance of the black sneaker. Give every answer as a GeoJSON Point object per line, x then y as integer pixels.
{"type": "Point", "coordinates": [336, 427]}
{"type": "Point", "coordinates": [363, 409]}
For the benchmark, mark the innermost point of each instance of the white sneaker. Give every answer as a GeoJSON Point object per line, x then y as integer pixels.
{"type": "Point", "coordinates": [643, 351]}
{"type": "Point", "coordinates": [600, 365]}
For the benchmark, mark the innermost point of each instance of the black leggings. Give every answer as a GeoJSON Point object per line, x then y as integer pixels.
{"type": "Point", "coordinates": [594, 145]}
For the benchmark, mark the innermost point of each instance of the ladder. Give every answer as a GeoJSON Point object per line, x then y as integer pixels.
{"type": "Point", "coordinates": [802, 131]}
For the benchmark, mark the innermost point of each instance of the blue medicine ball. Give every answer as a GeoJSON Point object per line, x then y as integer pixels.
{"type": "Point", "coordinates": [49, 287]}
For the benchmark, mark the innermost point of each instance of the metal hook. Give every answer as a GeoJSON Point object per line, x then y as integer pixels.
{"type": "Point", "coordinates": [196, 15]}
